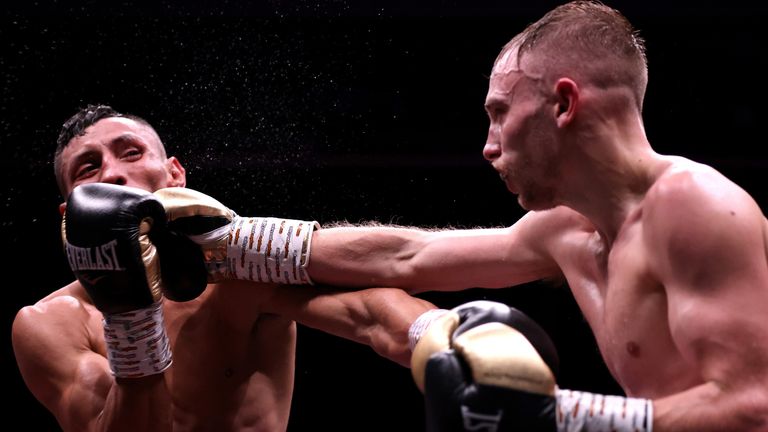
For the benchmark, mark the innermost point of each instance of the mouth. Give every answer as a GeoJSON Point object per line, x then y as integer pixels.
{"type": "Point", "coordinates": [505, 177]}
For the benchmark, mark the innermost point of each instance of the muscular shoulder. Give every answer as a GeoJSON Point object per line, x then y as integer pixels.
{"type": "Point", "coordinates": [560, 218]}
{"type": "Point", "coordinates": [692, 196]}
{"type": "Point", "coordinates": [64, 312]}
{"type": "Point", "coordinates": [48, 336]}
{"type": "Point", "coordinates": [554, 226]}
{"type": "Point", "coordinates": [694, 210]}
{"type": "Point", "coordinates": [686, 178]}
{"type": "Point", "coordinates": [64, 304]}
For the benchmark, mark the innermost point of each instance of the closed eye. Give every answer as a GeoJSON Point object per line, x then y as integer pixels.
{"type": "Point", "coordinates": [495, 110]}
{"type": "Point", "coordinates": [86, 169]}
{"type": "Point", "coordinates": [131, 154]}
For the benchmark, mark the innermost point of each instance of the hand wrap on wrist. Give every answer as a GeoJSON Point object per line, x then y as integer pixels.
{"type": "Point", "coordinates": [420, 325]}
{"type": "Point", "coordinates": [270, 249]}
{"type": "Point", "coordinates": [137, 344]}
{"type": "Point", "coordinates": [588, 412]}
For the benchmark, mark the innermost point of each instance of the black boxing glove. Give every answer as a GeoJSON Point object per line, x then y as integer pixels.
{"type": "Point", "coordinates": [110, 236]}
{"type": "Point", "coordinates": [486, 366]}
{"type": "Point", "coordinates": [120, 249]}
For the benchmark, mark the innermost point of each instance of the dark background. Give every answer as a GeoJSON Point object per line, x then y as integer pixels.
{"type": "Point", "coordinates": [340, 110]}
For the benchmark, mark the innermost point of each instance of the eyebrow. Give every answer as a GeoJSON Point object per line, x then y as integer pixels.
{"type": "Point", "coordinates": [124, 139]}
{"type": "Point", "coordinates": [494, 102]}
{"type": "Point", "coordinates": [89, 151]}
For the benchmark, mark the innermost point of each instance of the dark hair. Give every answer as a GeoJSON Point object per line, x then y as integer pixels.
{"type": "Point", "coordinates": [76, 125]}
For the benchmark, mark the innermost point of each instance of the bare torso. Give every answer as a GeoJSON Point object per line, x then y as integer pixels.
{"type": "Point", "coordinates": [625, 307]}
{"type": "Point", "coordinates": [232, 367]}
{"type": "Point", "coordinates": [620, 294]}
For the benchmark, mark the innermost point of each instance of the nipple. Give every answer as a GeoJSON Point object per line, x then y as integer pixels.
{"type": "Point", "coordinates": [633, 349]}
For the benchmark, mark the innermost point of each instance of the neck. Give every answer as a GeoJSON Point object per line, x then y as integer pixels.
{"type": "Point", "coordinates": [612, 168]}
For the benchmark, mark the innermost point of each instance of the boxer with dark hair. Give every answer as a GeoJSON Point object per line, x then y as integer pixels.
{"type": "Point", "coordinates": [666, 258]}
{"type": "Point", "coordinates": [141, 341]}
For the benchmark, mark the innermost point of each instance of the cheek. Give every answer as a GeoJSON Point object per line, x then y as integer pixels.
{"type": "Point", "coordinates": [150, 176]}
{"type": "Point", "coordinates": [510, 136]}
{"type": "Point", "coordinates": [160, 176]}
{"type": "Point", "coordinates": [518, 127]}
{"type": "Point", "coordinates": [536, 133]}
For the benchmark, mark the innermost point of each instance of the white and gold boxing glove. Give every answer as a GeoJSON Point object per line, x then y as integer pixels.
{"type": "Point", "coordinates": [260, 249]}
{"type": "Point", "coordinates": [487, 366]}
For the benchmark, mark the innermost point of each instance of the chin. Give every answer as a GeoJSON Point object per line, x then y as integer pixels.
{"type": "Point", "coordinates": [536, 202]}
{"type": "Point", "coordinates": [510, 185]}
{"type": "Point", "coordinates": [534, 206]}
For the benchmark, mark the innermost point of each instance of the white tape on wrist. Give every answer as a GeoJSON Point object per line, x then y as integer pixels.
{"type": "Point", "coordinates": [588, 412]}
{"type": "Point", "coordinates": [420, 325]}
{"type": "Point", "coordinates": [270, 249]}
{"type": "Point", "coordinates": [137, 344]}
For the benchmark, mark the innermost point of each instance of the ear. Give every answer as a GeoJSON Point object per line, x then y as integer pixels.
{"type": "Point", "coordinates": [177, 172]}
{"type": "Point", "coordinates": [567, 101]}
{"type": "Point", "coordinates": [62, 208]}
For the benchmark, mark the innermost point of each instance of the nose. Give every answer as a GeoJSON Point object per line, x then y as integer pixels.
{"type": "Point", "coordinates": [113, 173]}
{"type": "Point", "coordinates": [491, 151]}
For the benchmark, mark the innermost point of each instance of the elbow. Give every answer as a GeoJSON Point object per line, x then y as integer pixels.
{"type": "Point", "coordinates": [410, 269]}
{"type": "Point", "coordinates": [392, 346]}
{"type": "Point", "coordinates": [397, 352]}
{"type": "Point", "coordinates": [756, 416]}
{"type": "Point", "coordinates": [410, 276]}
{"type": "Point", "coordinates": [753, 410]}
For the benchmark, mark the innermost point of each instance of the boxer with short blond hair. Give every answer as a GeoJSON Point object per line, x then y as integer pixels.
{"type": "Point", "coordinates": [667, 258]}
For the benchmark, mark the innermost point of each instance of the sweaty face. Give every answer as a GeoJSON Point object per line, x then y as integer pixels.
{"type": "Point", "coordinates": [120, 151]}
{"type": "Point", "coordinates": [520, 144]}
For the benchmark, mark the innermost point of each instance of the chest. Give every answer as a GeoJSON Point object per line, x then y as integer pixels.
{"type": "Point", "coordinates": [609, 283]}
{"type": "Point", "coordinates": [204, 345]}
{"type": "Point", "coordinates": [222, 344]}
{"type": "Point", "coordinates": [625, 305]}
{"type": "Point", "coordinates": [225, 375]}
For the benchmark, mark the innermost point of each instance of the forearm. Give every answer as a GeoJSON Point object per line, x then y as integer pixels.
{"type": "Point", "coordinates": [709, 407]}
{"type": "Point", "coordinates": [392, 312]}
{"type": "Point", "coordinates": [138, 353]}
{"type": "Point", "coordinates": [380, 318]}
{"type": "Point", "coordinates": [95, 400]}
{"type": "Point", "coordinates": [418, 261]}
{"type": "Point", "coordinates": [703, 408]}
{"type": "Point", "coordinates": [377, 317]}
{"type": "Point", "coordinates": [363, 256]}
{"type": "Point", "coordinates": [142, 404]}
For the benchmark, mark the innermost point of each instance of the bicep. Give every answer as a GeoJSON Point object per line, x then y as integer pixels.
{"type": "Point", "coordinates": [485, 258]}
{"type": "Point", "coordinates": [59, 368]}
{"type": "Point", "coordinates": [712, 263]}
{"type": "Point", "coordinates": [421, 260]}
